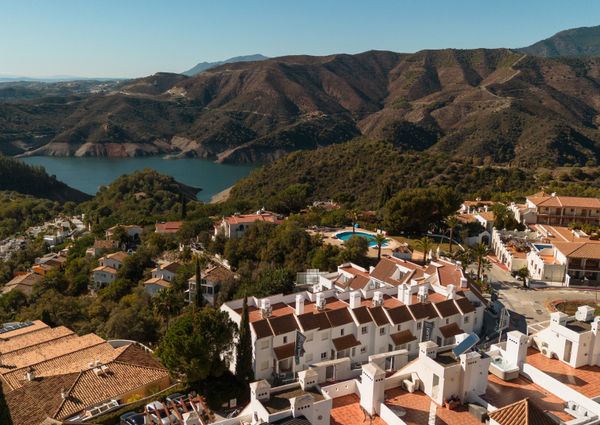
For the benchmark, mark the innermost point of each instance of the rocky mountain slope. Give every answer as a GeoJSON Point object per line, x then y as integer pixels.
{"type": "Point", "coordinates": [203, 66]}
{"type": "Point", "coordinates": [498, 105]}
{"type": "Point", "coordinates": [584, 41]}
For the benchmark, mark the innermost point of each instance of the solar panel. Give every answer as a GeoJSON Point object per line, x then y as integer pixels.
{"type": "Point", "coordinates": [465, 345]}
{"type": "Point", "coordinates": [8, 327]}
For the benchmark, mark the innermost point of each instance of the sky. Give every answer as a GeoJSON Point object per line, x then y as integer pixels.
{"type": "Point", "coordinates": [133, 38]}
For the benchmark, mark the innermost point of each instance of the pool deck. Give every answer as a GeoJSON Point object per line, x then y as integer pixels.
{"type": "Point", "coordinates": [330, 238]}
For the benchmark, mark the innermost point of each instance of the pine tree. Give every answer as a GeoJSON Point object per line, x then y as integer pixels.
{"type": "Point", "coordinates": [243, 364]}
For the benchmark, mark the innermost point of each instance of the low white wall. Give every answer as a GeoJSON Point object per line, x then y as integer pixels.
{"type": "Point", "coordinates": [234, 421]}
{"type": "Point", "coordinates": [559, 389]}
{"type": "Point", "coordinates": [396, 380]}
{"type": "Point", "coordinates": [388, 416]}
{"type": "Point", "coordinates": [341, 389]}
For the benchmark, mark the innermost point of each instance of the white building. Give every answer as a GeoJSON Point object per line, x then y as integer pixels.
{"type": "Point", "coordinates": [107, 271]}
{"type": "Point", "coordinates": [166, 271]}
{"type": "Point", "coordinates": [291, 332]}
{"type": "Point", "coordinates": [235, 225]}
{"type": "Point", "coordinates": [211, 280]}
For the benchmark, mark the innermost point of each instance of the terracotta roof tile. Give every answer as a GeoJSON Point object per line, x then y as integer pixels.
{"type": "Point", "coordinates": [345, 342]}
{"type": "Point", "coordinates": [284, 351]}
{"type": "Point", "coordinates": [450, 330]}
{"type": "Point", "coordinates": [521, 413]}
{"type": "Point", "coordinates": [399, 315]}
{"type": "Point", "coordinates": [283, 324]}
{"type": "Point", "coordinates": [261, 328]}
{"type": "Point", "coordinates": [422, 311]}
{"type": "Point", "coordinates": [402, 337]}
{"type": "Point", "coordinates": [339, 317]}
{"type": "Point", "coordinates": [464, 305]}
{"type": "Point", "coordinates": [446, 308]}
{"type": "Point", "coordinates": [40, 336]}
{"type": "Point", "coordinates": [379, 316]}
{"type": "Point", "coordinates": [362, 315]}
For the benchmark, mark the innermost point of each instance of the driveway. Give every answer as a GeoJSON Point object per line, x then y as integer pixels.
{"type": "Point", "coordinates": [530, 304]}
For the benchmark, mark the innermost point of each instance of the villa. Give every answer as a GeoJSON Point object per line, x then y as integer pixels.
{"type": "Point", "coordinates": [106, 272]}
{"type": "Point", "coordinates": [212, 279]}
{"type": "Point", "coordinates": [561, 210]}
{"type": "Point", "coordinates": [23, 282]}
{"type": "Point", "coordinates": [235, 225]}
{"type": "Point", "coordinates": [169, 227]}
{"type": "Point", "coordinates": [133, 231]}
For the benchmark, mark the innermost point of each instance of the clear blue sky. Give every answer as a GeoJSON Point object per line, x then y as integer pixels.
{"type": "Point", "coordinates": [128, 38]}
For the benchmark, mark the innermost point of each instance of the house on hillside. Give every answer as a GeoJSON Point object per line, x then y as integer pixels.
{"type": "Point", "coordinates": [212, 278]}
{"type": "Point", "coordinates": [24, 282]}
{"type": "Point", "coordinates": [235, 225]}
{"type": "Point", "coordinates": [166, 271]}
{"type": "Point", "coordinates": [562, 210]}
{"type": "Point", "coordinates": [133, 231]}
{"type": "Point", "coordinates": [168, 227]}
{"type": "Point", "coordinates": [100, 247]}
{"type": "Point", "coordinates": [107, 270]}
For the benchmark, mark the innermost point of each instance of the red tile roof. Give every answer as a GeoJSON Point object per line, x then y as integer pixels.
{"type": "Point", "coordinates": [345, 342]}
{"type": "Point", "coordinates": [402, 337]}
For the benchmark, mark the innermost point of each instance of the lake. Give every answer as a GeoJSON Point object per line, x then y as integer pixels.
{"type": "Point", "coordinates": [88, 174]}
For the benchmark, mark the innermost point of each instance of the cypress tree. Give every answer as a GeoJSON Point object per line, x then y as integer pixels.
{"type": "Point", "coordinates": [198, 299]}
{"type": "Point", "coordinates": [243, 364]}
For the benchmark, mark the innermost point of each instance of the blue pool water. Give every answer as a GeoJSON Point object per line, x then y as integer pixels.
{"type": "Point", "coordinates": [540, 246]}
{"type": "Point", "coordinates": [344, 236]}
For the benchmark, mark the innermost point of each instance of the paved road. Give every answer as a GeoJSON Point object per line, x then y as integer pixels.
{"type": "Point", "coordinates": [531, 303]}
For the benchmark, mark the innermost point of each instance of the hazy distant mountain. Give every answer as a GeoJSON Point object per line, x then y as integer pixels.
{"type": "Point", "coordinates": [584, 41]}
{"type": "Point", "coordinates": [203, 66]}
{"type": "Point", "coordinates": [51, 79]}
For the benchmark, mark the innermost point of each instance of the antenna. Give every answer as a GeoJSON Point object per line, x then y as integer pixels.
{"type": "Point", "coordinates": [465, 345]}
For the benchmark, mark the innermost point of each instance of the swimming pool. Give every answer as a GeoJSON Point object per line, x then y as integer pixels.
{"type": "Point", "coordinates": [539, 246]}
{"type": "Point", "coordinates": [344, 236]}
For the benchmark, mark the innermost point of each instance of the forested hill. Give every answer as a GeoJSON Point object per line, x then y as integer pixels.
{"type": "Point", "coordinates": [365, 174]}
{"type": "Point", "coordinates": [19, 177]}
{"type": "Point", "coordinates": [497, 104]}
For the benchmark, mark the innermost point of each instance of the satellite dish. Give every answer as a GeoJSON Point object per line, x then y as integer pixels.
{"type": "Point", "coordinates": [468, 343]}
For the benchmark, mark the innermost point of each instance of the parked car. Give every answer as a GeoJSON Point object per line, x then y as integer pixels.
{"type": "Point", "coordinates": [160, 414]}
{"type": "Point", "coordinates": [132, 418]}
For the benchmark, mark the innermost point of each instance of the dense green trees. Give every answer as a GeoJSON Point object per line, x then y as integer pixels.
{"type": "Point", "coordinates": [197, 343]}
{"type": "Point", "coordinates": [504, 218]}
{"type": "Point", "coordinates": [415, 210]}
{"type": "Point", "coordinates": [18, 212]}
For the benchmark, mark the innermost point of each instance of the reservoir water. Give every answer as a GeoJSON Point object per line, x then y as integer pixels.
{"type": "Point", "coordinates": [88, 174]}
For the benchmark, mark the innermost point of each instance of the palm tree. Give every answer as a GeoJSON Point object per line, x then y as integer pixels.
{"type": "Point", "coordinates": [451, 223]}
{"type": "Point", "coordinates": [480, 252]}
{"type": "Point", "coordinates": [354, 218]}
{"type": "Point", "coordinates": [424, 244]}
{"type": "Point", "coordinates": [162, 304]}
{"type": "Point", "coordinates": [379, 240]}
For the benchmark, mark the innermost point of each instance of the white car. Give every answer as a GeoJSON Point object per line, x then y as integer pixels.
{"type": "Point", "coordinates": [160, 414]}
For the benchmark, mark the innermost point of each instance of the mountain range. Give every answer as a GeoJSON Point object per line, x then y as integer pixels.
{"type": "Point", "coordinates": [203, 66]}
{"type": "Point", "coordinates": [506, 106]}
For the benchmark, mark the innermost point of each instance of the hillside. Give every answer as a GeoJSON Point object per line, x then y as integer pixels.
{"type": "Point", "coordinates": [18, 177]}
{"type": "Point", "coordinates": [584, 41]}
{"type": "Point", "coordinates": [497, 105]}
{"type": "Point", "coordinates": [203, 66]}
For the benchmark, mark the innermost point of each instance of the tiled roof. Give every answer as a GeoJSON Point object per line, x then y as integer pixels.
{"type": "Point", "coordinates": [251, 218]}
{"type": "Point", "coordinates": [450, 330]}
{"type": "Point", "coordinates": [402, 337]}
{"type": "Point", "coordinates": [105, 269]}
{"type": "Point", "coordinates": [339, 317]}
{"type": "Point", "coordinates": [521, 413]}
{"type": "Point", "coordinates": [158, 281]}
{"type": "Point", "coordinates": [168, 227]}
{"type": "Point", "coordinates": [355, 283]}
{"type": "Point", "coordinates": [47, 350]}
{"type": "Point", "coordinates": [487, 215]}
{"type": "Point", "coordinates": [399, 315]}
{"type": "Point", "coordinates": [563, 201]}
{"type": "Point", "coordinates": [119, 256]}
{"type": "Point", "coordinates": [379, 316]}
{"type": "Point", "coordinates": [218, 273]}
{"type": "Point", "coordinates": [422, 311]}
{"type": "Point", "coordinates": [579, 249]}
{"type": "Point", "coordinates": [284, 351]}
{"type": "Point", "coordinates": [345, 342]}
{"type": "Point", "coordinates": [105, 244]}
{"type": "Point", "coordinates": [446, 308]}
{"type": "Point", "coordinates": [362, 315]}
{"type": "Point", "coordinates": [464, 305]}
{"type": "Point", "coordinates": [121, 378]}
{"type": "Point", "coordinates": [384, 270]}
{"type": "Point", "coordinates": [36, 325]}
{"type": "Point", "coordinates": [40, 336]}
{"type": "Point", "coordinates": [283, 324]}
{"type": "Point", "coordinates": [261, 328]}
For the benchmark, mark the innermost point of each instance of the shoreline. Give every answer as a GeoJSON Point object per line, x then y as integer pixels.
{"type": "Point", "coordinates": [222, 196]}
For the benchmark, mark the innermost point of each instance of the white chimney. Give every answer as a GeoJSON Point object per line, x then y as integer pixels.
{"type": "Point", "coordinates": [299, 304]}
{"type": "Point", "coordinates": [463, 282]}
{"type": "Point", "coordinates": [422, 294]}
{"type": "Point", "coordinates": [63, 394]}
{"type": "Point", "coordinates": [584, 313]}
{"type": "Point", "coordinates": [355, 299]}
{"type": "Point", "coordinates": [553, 194]}
{"type": "Point", "coordinates": [265, 307]}
{"type": "Point", "coordinates": [377, 298]}
{"type": "Point", "coordinates": [320, 301]}
{"type": "Point", "coordinates": [458, 265]}
{"type": "Point", "coordinates": [29, 375]}
{"type": "Point", "coordinates": [558, 318]}
{"type": "Point", "coordinates": [451, 291]}
{"type": "Point", "coordinates": [404, 294]}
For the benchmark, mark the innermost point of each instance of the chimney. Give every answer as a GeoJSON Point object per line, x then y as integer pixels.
{"type": "Point", "coordinates": [422, 294]}
{"type": "Point", "coordinates": [63, 394]}
{"type": "Point", "coordinates": [553, 194]}
{"type": "Point", "coordinates": [265, 308]}
{"type": "Point", "coordinates": [463, 282]}
{"type": "Point", "coordinates": [355, 299]}
{"type": "Point", "coordinates": [451, 291]}
{"type": "Point", "coordinates": [30, 375]}
{"type": "Point", "coordinates": [377, 298]}
{"type": "Point", "coordinates": [428, 349]}
{"type": "Point", "coordinates": [320, 301]}
{"type": "Point", "coordinates": [299, 304]}
{"type": "Point", "coordinates": [558, 318]}
{"type": "Point", "coordinates": [584, 313]}
{"type": "Point", "coordinates": [458, 265]}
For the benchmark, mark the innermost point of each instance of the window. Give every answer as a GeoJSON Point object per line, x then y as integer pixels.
{"type": "Point", "coordinates": [447, 321]}
{"type": "Point", "coordinates": [466, 319]}
{"type": "Point", "coordinates": [363, 349]}
{"type": "Point", "coordinates": [399, 327]}
{"type": "Point", "coordinates": [323, 356]}
{"type": "Point", "coordinates": [353, 351]}
{"type": "Point", "coordinates": [382, 331]}
{"type": "Point", "coordinates": [342, 332]}
{"type": "Point", "coordinates": [285, 339]}
{"type": "Point", "coordinates": [364, 330]}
